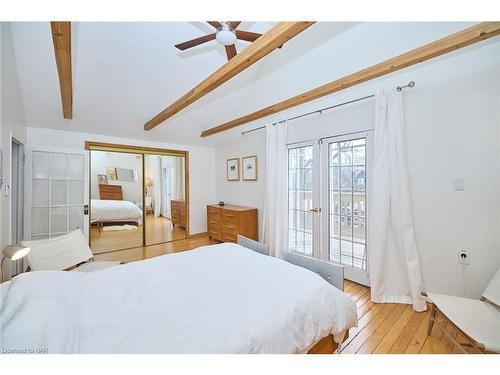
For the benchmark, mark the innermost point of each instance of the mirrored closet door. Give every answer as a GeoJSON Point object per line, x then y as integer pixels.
{"type": "Point", "coordinates": [165, 198]}
{"type": "Point", "coordinates": [138, 196]}
{"type": "Point", "coordinates": [116, 201]}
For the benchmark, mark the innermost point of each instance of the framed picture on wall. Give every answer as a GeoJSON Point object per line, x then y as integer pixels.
{"type": "Point", "coordinates": [233, 169]}
{"type": "Point", "coordinates": [102, 179]}
{"type": "Point", "coordinates": [249, 166]}
{"type": "Point", "coordinates": [111, 173]}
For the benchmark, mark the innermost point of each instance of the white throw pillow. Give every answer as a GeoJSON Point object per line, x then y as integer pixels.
{"type": "Point", "coordinates": [58, 253]}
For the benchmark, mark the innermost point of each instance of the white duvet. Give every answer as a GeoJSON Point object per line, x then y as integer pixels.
{"type": "Point", "coordinates": [109, 210]}
{"type": "Point", "coordinates": [215, 299]}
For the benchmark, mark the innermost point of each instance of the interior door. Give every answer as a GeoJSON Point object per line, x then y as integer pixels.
{"type": "Point", "coordinates": [57, 192]}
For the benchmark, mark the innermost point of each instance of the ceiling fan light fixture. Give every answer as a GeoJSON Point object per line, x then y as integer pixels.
{"type": "Point", "coordinates": [226, 35]}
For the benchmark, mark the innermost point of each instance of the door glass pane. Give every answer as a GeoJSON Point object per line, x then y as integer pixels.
{"type": "Point", "coordinates": [76, 166]}
{"type": "Point", "coordinates": [39, 221]}
{"type": "Point", "coordinates": [76, 192]}
{"type": "Point", "coordinates": [58, 220]}
{"type": "Point", "coordinates": [300, 199]}
{"type": "Point", "coordinates": [347, 202]}
{"type": "Point", "coordinates": [59, 192]}
{"type": "Point", "coordinates": [76, 218]}
{"type": "Point", "coordinates": [58, 165]}
{"type": "Point", "coordinates": [40, 193]}
{"type": "Point", "coordinates": [40, 165]}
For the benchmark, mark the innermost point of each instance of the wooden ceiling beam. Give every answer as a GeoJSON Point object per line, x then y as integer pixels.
{"type": "Point", "coordinates": [453, 42]}
{"type": "Point", "coordinates": [61, 36]}
{"type": "Point", "coordinates": [268, 42]}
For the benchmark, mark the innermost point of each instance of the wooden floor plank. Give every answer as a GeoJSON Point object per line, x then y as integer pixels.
{"type": "Point", "coordinates": [417, 341]}
{"type": "Point", "coordinates": [392, 335]}
{"type": "Point", "coordinates": [432, 342]}
{"type": "Point", "coordinates": [369, 329]}
{"type": "Point", "coordinates": [381, 332]}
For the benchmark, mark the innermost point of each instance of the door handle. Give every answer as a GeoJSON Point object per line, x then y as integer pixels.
{"type": "Point", "coordinates": [315, 210]}
{"type": "Point", "coordinates": [86, 209]}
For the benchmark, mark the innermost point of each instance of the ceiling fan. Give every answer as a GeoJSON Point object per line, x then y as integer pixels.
{"type": "Point", "coordinates": [226, 34]}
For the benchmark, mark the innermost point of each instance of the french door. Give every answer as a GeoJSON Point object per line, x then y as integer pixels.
{"type": "Point", "coordinates": [327, 201]}
{"type": "Point", "coordinates": [56, 197]}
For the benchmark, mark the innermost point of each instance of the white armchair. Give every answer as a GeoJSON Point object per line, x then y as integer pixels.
{"type": "Point", "coordinates": [67, 252]}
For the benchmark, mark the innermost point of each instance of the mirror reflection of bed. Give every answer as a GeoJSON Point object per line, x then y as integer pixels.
{"type": "Point", "coordinates": [124, 213]}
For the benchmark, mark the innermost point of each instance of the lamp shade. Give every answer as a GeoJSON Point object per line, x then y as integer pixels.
{"type": "Point", "coordinates": [226, 37]}
{"type": "Point", "coordinates": [15, 252]}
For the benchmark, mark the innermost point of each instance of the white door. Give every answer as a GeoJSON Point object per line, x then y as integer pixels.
{"type": "Point", "coordinates": [57, 197]}
{"type": "Point", "coordinates": [327, 201]}
{"type": "Point", "coordinates": [304, 199]}
{"type": "Point", "coordinates": [344, 201]}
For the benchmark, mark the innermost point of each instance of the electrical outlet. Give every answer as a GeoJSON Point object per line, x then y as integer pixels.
{"type": "Point", "coordinates": [463, 257]}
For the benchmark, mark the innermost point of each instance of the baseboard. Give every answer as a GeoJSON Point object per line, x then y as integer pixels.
{"type": "Point", "coordinates": [198, 235]}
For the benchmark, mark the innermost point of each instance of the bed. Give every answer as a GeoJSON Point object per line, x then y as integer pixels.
{"type": "Point", "coordinates": [112, 209]}
{"type": "Point", "coordinates": [221, 298]}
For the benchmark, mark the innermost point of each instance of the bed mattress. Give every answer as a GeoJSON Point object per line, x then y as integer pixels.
{"type": "Point", "coordinates": [222, 298]}
{"type": "Point", "coordinates": [114, 210]}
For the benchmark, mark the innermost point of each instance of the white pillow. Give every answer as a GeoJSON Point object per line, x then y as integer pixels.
{"type": "Point", "coordinates": [58, 253]}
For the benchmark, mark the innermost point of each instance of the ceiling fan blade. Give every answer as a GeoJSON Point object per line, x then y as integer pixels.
{"type": "Point", "coordinates": [234, 24]}
{"type": "Point", "coordinates": [195, 42]}
{"type": "Point", "coordinates": [231, 51]}
{"type": "Point", "coordinates": [215, 24]}
{"type": "Point", "coordinates": [247, 35]}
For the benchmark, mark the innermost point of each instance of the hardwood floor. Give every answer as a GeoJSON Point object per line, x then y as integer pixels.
{"type": "Point", "coordinates": [382, 328]}
{"type": "Point", "coordinates": [391, 328]}
{"type": "Point", "coordinates": [144, 252]}
{"type": "Point", "coordinates": [158, 230]}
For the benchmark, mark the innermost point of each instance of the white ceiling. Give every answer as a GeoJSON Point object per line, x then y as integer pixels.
{"type": "Point", "coordinates": [124, 73]}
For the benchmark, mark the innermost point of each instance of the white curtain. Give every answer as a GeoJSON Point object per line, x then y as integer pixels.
{"type": "Point", "coordinates": [157, 184]}
{"type": "Point", "coordinates": [276, 197]}
{"type": "Point", "coordinates": [395, 274]}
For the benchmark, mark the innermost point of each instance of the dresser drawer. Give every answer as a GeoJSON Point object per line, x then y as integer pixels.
{"type": "Point", "coordinates": [215, 235]}
{"type": "Point", "coordinates": [213, 212]}
{"type": "Point", "coordinates": [230, 227]}
{"type": "Point", "coordinates": [230, 216]}
{"type": "Point", "coordinates": [229, 237]}
{"type": "Point", "coordinates": [214, 225]}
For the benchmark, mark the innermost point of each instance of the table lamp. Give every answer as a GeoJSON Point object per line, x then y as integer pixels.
{"type": "Point", "coordinates": [13, 252]}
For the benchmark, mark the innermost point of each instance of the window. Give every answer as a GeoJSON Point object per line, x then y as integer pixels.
{"type": "Point", "coordinates": [300, 199]}
{"type": "Point", "coordinates": [347, 202]}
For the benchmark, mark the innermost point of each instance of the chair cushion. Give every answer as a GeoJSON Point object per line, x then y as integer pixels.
{"type": "Point", "coordinates": [478, 319]}
{"type": "Point", "coordinates": [95, 266]}
{"type": "Point", "coordinates": [58, 253]}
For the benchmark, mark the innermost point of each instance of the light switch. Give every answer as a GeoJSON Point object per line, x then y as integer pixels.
{"type": "Point", "coordinates": [458, 184]}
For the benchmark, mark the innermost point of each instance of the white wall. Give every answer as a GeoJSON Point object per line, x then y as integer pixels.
{"type": "Point", "coordinates": [244, 193]}
{"type": "Point", "coordinates": [201, 164]}
{"type": "Point", "coordinates": [12, 123]}
{"type": "Point", "coordinates": [100, 160]}
{"type": "Point", "coordinates": [452, 123]}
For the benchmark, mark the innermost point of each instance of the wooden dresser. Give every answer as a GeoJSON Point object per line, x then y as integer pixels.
{"type": "Point", "coordinates": [178, 212]}
{"type": "Point", "coordinates": [226, 222]}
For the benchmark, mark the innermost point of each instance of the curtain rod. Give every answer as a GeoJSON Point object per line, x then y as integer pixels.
{"type": "Point", "coordinates": [398, 88]}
